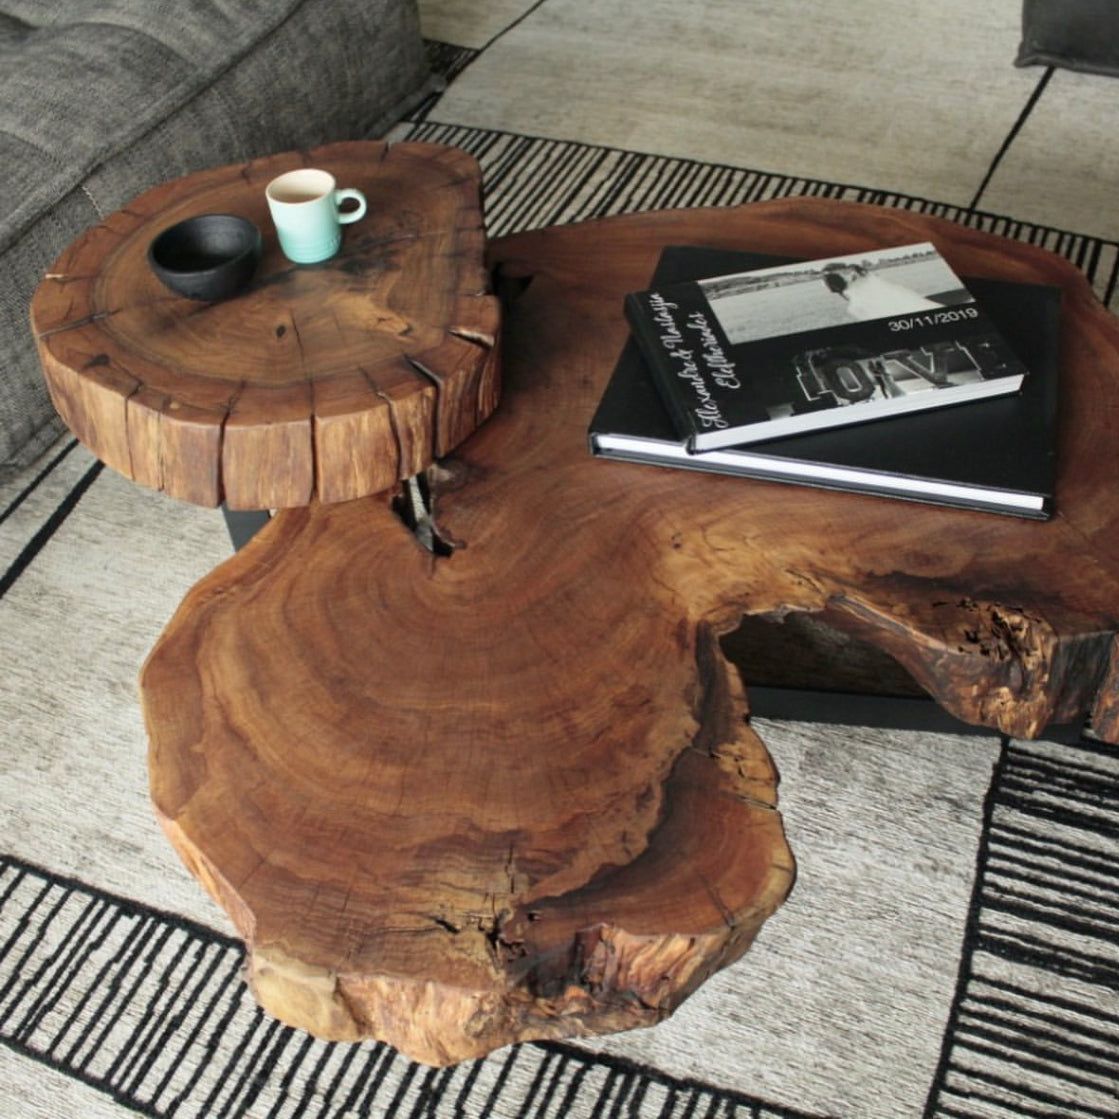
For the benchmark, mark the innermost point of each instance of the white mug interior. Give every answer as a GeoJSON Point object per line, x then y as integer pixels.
{"type": "Point", "coordinates": [305, 185]}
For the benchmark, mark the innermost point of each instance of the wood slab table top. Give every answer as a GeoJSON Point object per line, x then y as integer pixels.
{"type": "Point", "coordinates": [510, 789]}
{"type": "Point", "coordinates": [328, 381]}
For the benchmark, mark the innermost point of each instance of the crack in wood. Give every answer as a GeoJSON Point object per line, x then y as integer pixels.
{"type": "Point", "coordinates": [446, 925]}
{"type": "Point", "coordinates": [223, 424]}
{"type": "Point", "coordinates": [76, 324]}
{"type": "Point", "coordinates": [426, 530]}
{"type": "Point", "coordinates": [128, 418]}
{"type": "Point", "coordinates": [484, 342]}
{"type": "Point", "coordinates": [64, 278]}
{"type": "Point", "coordinates": [717, 901]}
{"type": "Point", "coordinates": [436, 381]}
{"type": "Point", "coordinates": [393, 423]}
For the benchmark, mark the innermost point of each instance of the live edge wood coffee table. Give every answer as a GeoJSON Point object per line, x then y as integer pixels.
{"type": "Point", "coordinates": [508, 789]}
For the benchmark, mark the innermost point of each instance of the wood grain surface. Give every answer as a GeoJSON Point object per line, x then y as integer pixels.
{"type": "Point", "coordinates": [332, 380]}
{"type": "Point", "coordinates": [511, 791]}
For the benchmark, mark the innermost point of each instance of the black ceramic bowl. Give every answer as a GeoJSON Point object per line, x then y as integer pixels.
{"type": "Point", "coordinates": [209, 257]}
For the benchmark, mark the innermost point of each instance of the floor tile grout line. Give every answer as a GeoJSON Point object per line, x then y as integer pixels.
{"type": "Point", "coordinates": [510, 27]}
{"type": "Point", "coordinates": [477, 53]}
{"type": "Point", "coordinates": [1010, 137]}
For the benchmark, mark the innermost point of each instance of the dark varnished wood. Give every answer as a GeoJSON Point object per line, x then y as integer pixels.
{"type": "Point", "coordinates": [512, 792]}
{"type": "Point", "coordinates": [331, 381]}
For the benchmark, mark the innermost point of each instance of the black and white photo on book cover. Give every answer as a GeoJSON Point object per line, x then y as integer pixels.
{"type": "Point", "coordinates": [836, 291]}
{"type": "Point", "coordinates": [767, 353]}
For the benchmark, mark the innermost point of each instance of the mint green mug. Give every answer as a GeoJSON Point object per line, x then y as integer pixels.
{"type": "Point", "coordinates": [305, 207]}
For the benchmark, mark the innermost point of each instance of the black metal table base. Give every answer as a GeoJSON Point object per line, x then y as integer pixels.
{"type": "Point", "coordinates": [243, 525]}
{"type": "Point", "coordinates": [883, 711]}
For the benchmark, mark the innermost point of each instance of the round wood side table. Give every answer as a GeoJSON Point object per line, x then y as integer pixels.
{"type": "Point", "coordinates": [327, 381]}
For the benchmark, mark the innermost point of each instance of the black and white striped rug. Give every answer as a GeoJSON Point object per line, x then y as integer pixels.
{"type": "Point", "coordinates": [951, 948]}
{"type": "Point", "coordinates": [534, 182]}
{"type": "Point", "coordinates": [149, 1009]}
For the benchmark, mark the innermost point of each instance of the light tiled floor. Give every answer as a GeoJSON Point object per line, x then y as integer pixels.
{"type": "Point", "coordinates": [890, 94]}
{"type": "Point", "coordinates": [468, 23]}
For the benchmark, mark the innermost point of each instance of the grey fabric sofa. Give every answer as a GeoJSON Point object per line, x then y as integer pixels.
{"type": "Point", "coordinates": [100, 99]}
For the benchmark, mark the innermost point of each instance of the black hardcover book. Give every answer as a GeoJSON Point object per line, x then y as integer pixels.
{"type": "Point", "coordinates": [759, 354]}
{"type": "Point", "coordinates": [996, 455]}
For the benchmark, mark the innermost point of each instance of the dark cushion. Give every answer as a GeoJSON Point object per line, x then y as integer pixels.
{"type": "Point", "coordinates": [100, 99]}
{"type": "Point", "coordinates": [1074, 34]}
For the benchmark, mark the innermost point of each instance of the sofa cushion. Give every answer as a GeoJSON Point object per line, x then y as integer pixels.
{"type": "Point", "coordinates": [100, 99]}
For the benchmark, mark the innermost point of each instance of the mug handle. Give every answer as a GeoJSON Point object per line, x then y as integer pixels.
{"type": "Point", "coordinates": [340, 196]}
